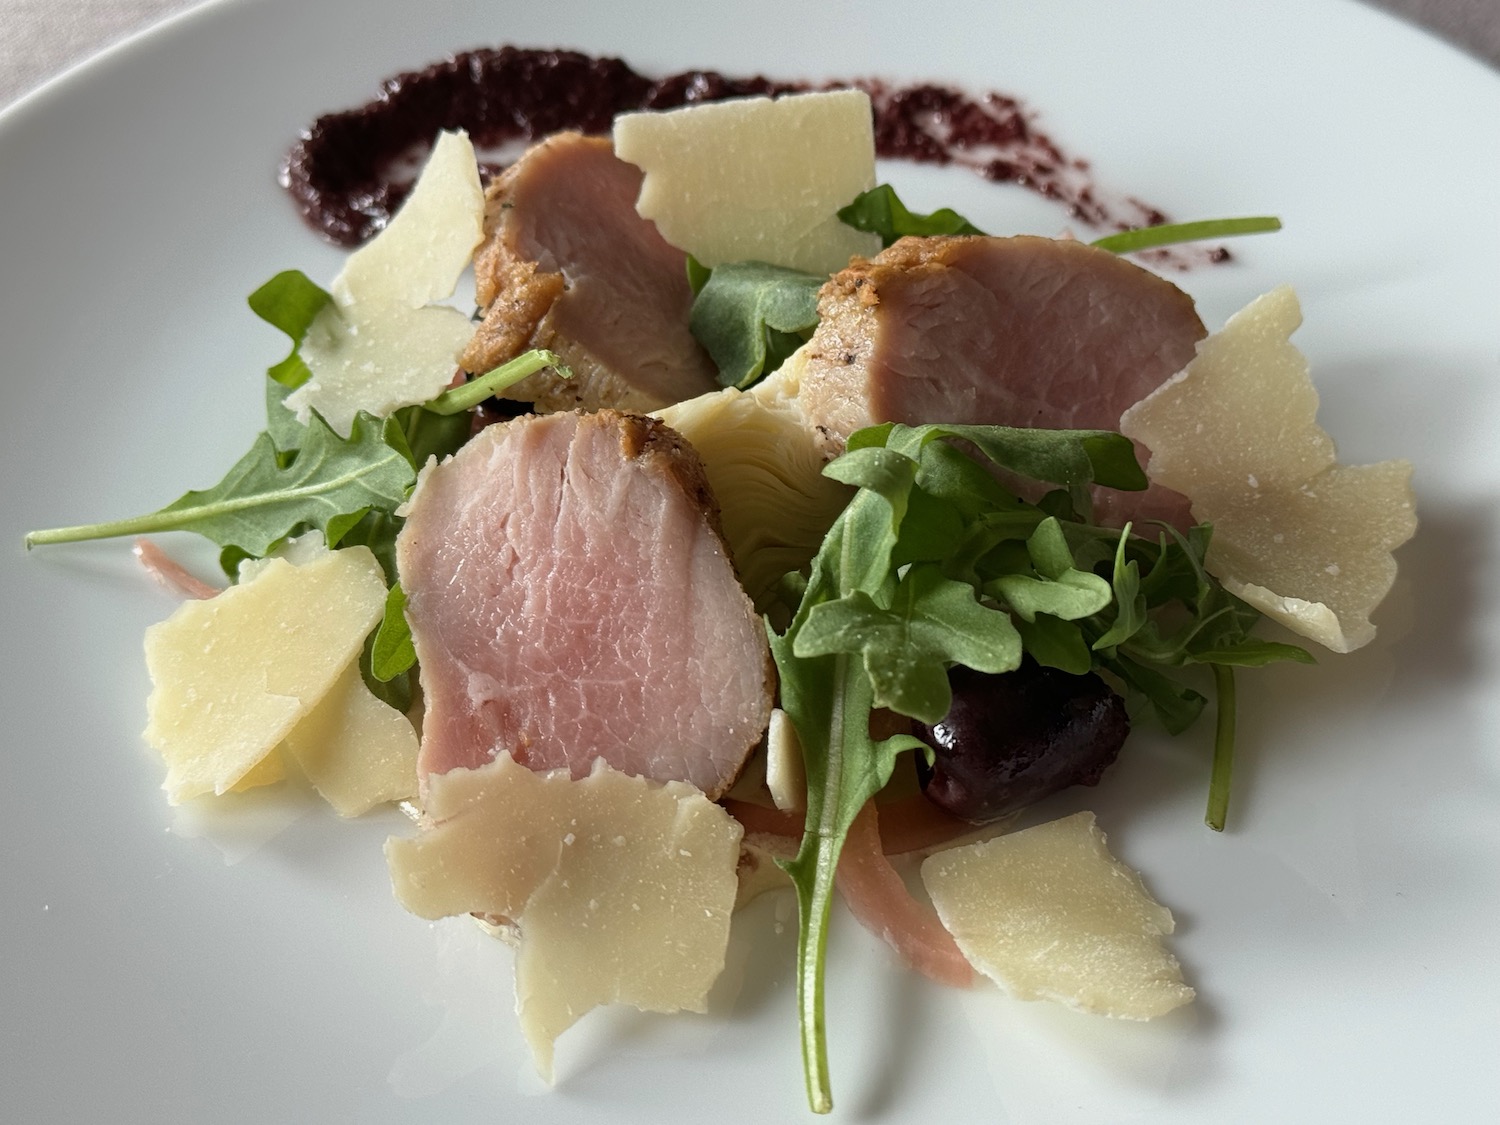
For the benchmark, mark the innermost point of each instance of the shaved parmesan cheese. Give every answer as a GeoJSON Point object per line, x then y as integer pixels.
{"type": "Point", "coordinates": [1303, 539]}
{"type": "Point", "coordinates": [268, 771]}
{"type": "Point", "coordinates": [1049, 914]}
{"type": "Point", "coordinates": [382, 343]}
{"type": "Point", "coordinates": [621, 888]}
{"type": "Point", "coordinates": [765, 465]}
{"type": "Point", "coordinates": [232, 676]}
{"type": "Point", "coordinates": [755, 179]}
{"type": "Point", "coordinates": [357, 751]}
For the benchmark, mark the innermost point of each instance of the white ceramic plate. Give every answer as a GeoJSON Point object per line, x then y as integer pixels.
{"type": "Point", "coordinates": [170, 967]}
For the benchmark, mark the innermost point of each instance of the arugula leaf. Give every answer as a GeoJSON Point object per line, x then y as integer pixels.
{"type": "Point", "coordinates": [1057, 589]}
{"type": "Point", "coordinates": [880, 211]}
{"type": "Point", "coordinates": [1176, 705]}
{"type": "Point", "coordinates": [1066, 457]}
{"type": "Point", "coordinates": [1252, 653]}
{"type": "Point", "coordinates": [865, 635]}
{"type": "Point", "coordinates": [697, 275]}
{"type": "Point", "coordinates": [934, 563]}
{"type": "Point", "coordinates": [1055, 643]}
{"type": "Point", "coordinates": [1130, 604]}
{"type": "Point", "coordinates": [420, 434]}
{"type": "Point", "coordinates": [377, 530]}
{"type": "Point", "coordinates": [395, 692]}
{"type": "Point", "coordinates": [750, 316]}
{"type": "Point", "coordinates": [260, 502]}
{"type": "Point", "coordinates": [286, 433]}
{"type": "Point", "coordinates": [290, 302]}
{"type": "Point", "coordinates": [393, 651]}
{"type": "Point", "coordinates": [906, 646]}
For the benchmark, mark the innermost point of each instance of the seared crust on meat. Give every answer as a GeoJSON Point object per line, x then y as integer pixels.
{"type": "Point", "coordinates": [569, 266]}
{"type": "Point", "coordinates": [516, 296]}
{"type": "Point", "coordinates": [643, 438]}
{"type": "Point", "coordinates": [1020, 331]}
{"type": "Point", "coordinates": [1016, 331]}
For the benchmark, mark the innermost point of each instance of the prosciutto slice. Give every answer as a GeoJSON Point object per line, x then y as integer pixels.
{"type": "Point", "coordinates": [1018, 331]}
{"type": "Point", "coordinates": [878, 897]}
{"type": "Point", "coordinates": [569, 265]}
{"type": "Point", "coordinates": [570, 599]}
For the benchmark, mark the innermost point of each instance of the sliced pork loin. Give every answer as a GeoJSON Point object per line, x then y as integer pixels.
{"type": "Point", "coordinates": [569, 265]}
{"type": "Point", "coordinates": [998, 331]}
{"type": "Point", "coordinates": [570, 598]}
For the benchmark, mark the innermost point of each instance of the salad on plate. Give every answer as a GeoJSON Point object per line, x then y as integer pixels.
{"type": "Point", "coordinates": [754, 531]}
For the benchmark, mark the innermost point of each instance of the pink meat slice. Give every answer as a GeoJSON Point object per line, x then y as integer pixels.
{"type": "Point", "coordinates": [569, 265]}
{"type": "Point", "coordinates": [878, 896]}
{"type": "Point", "coordinates": [570, 598]}
{"type": "Point", "coordinates": [1017, 331]}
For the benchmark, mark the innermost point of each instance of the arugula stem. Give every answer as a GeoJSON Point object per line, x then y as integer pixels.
{"type": "Point", "coordinates": [815, 901]}
{"type": "Point", "coordinates": [456, 400]}
{"type": "Point", "coordinates": [1168, 234]}
{"type": "Point", "coordinates": [136, 525]}
{"type": "Point", "coordinates": [812, 947]}
{"type": "Point", "coordinates": [182, 519]}
{"type": "Point", "coordinates": [1218, 783]}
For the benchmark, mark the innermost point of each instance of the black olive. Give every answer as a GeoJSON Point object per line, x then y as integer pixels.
{"type": "Point", "coordinates": [1009, 740]}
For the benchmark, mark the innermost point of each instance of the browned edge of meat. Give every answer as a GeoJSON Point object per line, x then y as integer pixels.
{"type": "Point", "coordinates": [1020, 331]}
{"type": "Point", "coordinates": [569, 265]}
{"type": "Point", "coordinates": [643, 438]}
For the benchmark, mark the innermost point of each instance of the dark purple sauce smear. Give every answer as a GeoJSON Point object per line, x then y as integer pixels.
{"type": "Point", "coordinates": [345, 173]}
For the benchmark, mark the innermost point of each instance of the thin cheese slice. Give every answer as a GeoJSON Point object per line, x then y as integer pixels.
{"type": "Point", "coordinates": [357, 750]}
{"type": "Point", "coordinates": [1049, 914]}
{"type": "Point", "coordinates": [622, 888]}
{"type": "Point", "coordinates": [1305, 540]}
{"type": "Point", "coordinates": [233, 675]}
{"type": "Point", "coordinates": [755, 179]}
{"type": "Point", "coordinates": [267, 771]}
{"type": "Point", "coordinates": [382, 343]}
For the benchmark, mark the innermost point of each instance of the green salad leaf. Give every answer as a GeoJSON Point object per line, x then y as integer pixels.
{"type": "Point", "coordinates": [932, 564]}
{"type": "Point", "coordinates": [749, 316]}
{"type": "Point", "coordinates": [880, 211]}
{"type": "Point", "coordinates": [290, 302]}
{"type": "Point", "coordinates": [393, 651]}
{"type": "Point", "coordinates": [260, 502]}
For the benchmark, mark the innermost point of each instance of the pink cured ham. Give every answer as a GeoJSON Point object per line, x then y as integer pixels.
{"type": "Point", "coordinates": [878, 897]}
{"type": "Point", "coordinates": [1018, 331]}
{"type": "Point", "coordinates": [569, 265]}
{"type": "Point", "coordinates": [570, 598]}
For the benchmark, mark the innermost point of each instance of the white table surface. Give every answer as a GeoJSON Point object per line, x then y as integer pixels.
{"type": "Point", "coordinates": [42, 38]}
